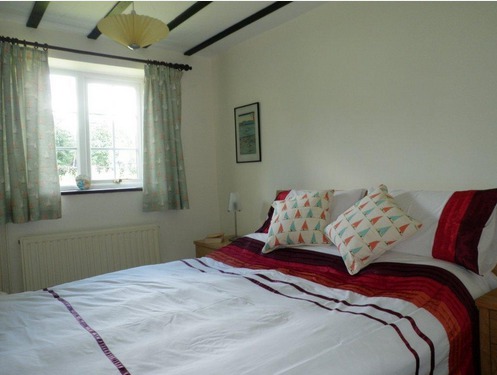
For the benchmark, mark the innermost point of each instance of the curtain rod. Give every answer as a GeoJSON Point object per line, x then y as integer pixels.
{"type": "Point", "coordinates": [47, 46]}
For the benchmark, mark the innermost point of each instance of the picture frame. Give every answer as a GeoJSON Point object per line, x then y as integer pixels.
{"type": "Point", "coordinates": [247, 133]}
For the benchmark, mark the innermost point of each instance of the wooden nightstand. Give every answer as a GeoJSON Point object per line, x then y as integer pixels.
{"type": "Point", "coordinates": [487, 305]}
{"type": "Point", "coordinates": [203, 248]}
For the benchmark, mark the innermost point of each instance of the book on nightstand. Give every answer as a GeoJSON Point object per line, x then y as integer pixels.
{"type": "Point", "coordinates": [209, 244]}
{"type": "Point", "coordinates": [214, 238]}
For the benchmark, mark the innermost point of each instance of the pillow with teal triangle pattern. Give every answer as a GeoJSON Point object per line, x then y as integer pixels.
{"type": "Point", "coordinates": [300, 221]}
{"type": "Point", "coordinates": [369, 228]}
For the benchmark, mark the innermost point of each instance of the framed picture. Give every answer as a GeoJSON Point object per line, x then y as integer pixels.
{"type": "Point", "coordinates": [247, 133]}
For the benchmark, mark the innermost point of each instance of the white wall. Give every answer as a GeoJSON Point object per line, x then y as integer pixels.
{"type": "Point", "coordinates": [199, 132]}
{"type": "Point", "coordinates": [354, 94]}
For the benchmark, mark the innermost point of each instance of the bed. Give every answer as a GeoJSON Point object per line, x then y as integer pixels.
{"type": "Point", "coordinates": [271, 305]}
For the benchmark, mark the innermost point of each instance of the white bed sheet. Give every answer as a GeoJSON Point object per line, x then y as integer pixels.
{"type": "Point", "coordinates": [205, 317]}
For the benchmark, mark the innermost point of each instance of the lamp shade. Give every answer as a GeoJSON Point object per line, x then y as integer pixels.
{"type": "Point", "coordinates": [234, 203]}
{"type": "Point", "coordinates": [132, 30]}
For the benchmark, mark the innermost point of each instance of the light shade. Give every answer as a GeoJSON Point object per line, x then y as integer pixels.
{"type": "Point", "coordinates": [132, 30]}
{"type": "Point", "coordinates": [234, 203]}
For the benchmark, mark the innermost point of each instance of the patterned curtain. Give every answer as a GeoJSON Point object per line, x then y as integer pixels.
{"type": "Point", "coordinates": [29, 183]}
{"type": "Point", "coordinates": [164, 179]}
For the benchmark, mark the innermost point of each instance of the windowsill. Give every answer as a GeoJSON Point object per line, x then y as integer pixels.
{"type": "Point", "coordinates": [99, 190]}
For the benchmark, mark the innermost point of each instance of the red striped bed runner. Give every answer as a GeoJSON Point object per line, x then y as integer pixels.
{"type": "Point", "coordinates": [428, 287]}
{"type": "Point", "coordinates": [461, 225]}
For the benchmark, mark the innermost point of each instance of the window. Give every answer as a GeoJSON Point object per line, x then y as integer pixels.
{"type": "Point", "coordinates": [97, 128]}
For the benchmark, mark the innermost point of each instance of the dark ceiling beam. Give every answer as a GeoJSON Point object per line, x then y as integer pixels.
{"type": "Point", "coordinates": [187, 14]}
{"type": "Point", "coordinates": [118, 8]}
{"type": "Point", "coordinates": [245, 22]}
{"type": "Point", "coordinates": [198, 6]}
{"type": "Point", "coordinates": [39, 8]}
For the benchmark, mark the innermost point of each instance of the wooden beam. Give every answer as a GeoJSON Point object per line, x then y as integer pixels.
{"type": "Point", "coordinates": [187, 14]}
{"type": "Point", "coordinates": [198, 6]}
{"type": "Point", "coordinates": [245, 22]}
{"type": "Point", "coordinates": [39, 8]}
{"type": "Point", "coordinates": [118, 8]}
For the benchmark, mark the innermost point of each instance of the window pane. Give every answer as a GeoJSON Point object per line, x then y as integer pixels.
{"type": "Point", "coordinates": [67, 166]}
{"type": "Point", "coordinates": [101, 132]}
{"type": "Point", "coordinates": [64, 97]}
{"type": "Point", "coordinates": [65, 106]}
{"type": "Point", "coordinates": [114, 126]}
{"type": "Point", "coordinates": [126, 164]}
{"type": "Point", "coordinates": [66, 129]}
{"type": "Point", "coordinates": [102, 165]}
{"type": "Point", "coordinates": [126, 97]}
{"type": "Point", "coordinates": [100, 98]}
{"type": "Point", "coordinates": [112, 99]}
{"type": "Point", "coordinates": [126, 132]}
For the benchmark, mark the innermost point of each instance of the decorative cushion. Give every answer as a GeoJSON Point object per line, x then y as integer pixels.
{"type": "Point", "coordinates": [458, 226]}
{"type": "Point", "coordinates": [300, 221]}
{"type": "Point", "coordinates": [281, 195]}
{"type": "Point", "coordinates": [369, 228]}
{"type": "Point", "coordinates": [342, 200]}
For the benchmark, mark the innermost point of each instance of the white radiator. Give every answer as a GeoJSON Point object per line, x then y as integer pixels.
{"type": "Point", "coordinates": [49, 260]}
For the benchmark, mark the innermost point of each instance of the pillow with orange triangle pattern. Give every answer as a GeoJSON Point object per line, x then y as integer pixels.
{"type": "Point", "coordinates": [300, 221]}
{"type": "Point", "coordinates": [369, 228]}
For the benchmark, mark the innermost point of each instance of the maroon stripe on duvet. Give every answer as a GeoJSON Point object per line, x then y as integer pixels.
{"type": "Point", "coordinates": [460, 226]}
{"type": "Point", "coordinates": [343, 302]}
{"type": "Point", "coordinates": [393, 325]}
{"type": "Point", "coordinates": [428, 287]}
{"type": "Point", "coordinates": [412, 322]}
{"type": "Point", "coordinates": [103, 346]}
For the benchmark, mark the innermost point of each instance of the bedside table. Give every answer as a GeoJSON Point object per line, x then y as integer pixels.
{"type": "Point", "coordinates": [487, 304]}
{"type": "Point", "coordinates": [203, 248]}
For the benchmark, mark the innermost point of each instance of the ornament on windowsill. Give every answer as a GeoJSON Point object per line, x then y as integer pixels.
{"type": "Point", "coordinates": [83, 182]}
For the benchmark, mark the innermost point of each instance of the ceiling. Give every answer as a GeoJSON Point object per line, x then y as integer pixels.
{"type": "Point", "coordinates": [197, 28]}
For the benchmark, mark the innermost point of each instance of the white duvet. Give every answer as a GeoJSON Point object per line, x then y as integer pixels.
{"type": "Point", "coordinates": [204, 317]}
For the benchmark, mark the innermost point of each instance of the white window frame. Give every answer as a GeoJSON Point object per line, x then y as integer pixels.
{"type": "Point", "coordinates": [84, 77]}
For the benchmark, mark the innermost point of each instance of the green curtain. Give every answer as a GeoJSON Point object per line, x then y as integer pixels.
{"type": "Point", "coordinates": [29, 183]}
{"type": "Point", "coordinates": [164, 179]}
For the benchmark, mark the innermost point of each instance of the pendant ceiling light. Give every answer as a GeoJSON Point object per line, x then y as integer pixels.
{"type": "Point", "coordinates": [133, 30]}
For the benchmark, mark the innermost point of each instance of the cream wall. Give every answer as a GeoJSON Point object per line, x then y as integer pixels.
{"type": "Point", "coordinates": [178, 229]}
{"type": "Point", "coordinates": [354, 94]}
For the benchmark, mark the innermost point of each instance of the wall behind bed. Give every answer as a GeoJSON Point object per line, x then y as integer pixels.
{"type": "Point", "coordinates": [354, 94]}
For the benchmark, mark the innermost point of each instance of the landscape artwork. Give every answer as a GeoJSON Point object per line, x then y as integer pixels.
{"type": "Point", "coordinates": [247, 133]}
